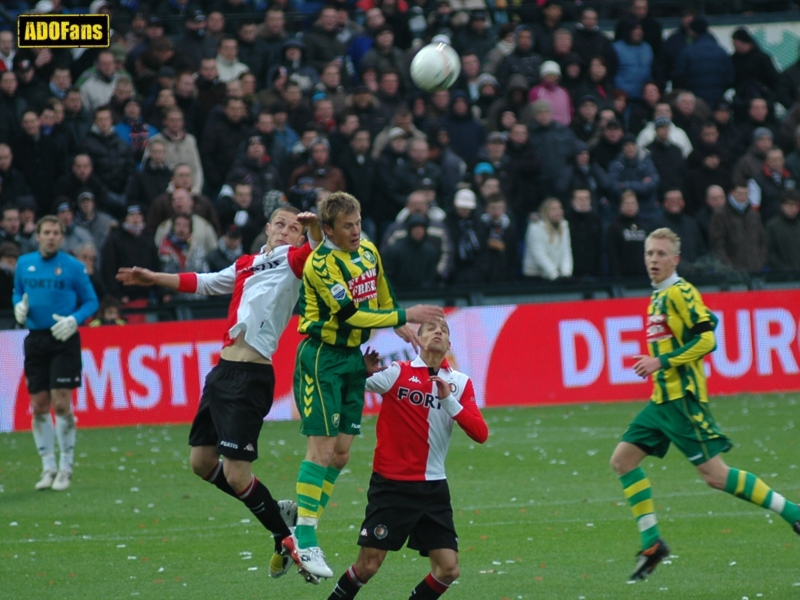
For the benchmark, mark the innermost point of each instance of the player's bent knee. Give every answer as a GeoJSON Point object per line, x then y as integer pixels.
{"type": "Point", "coordinates": [368, 563]}
{"type": "Point", "coordinates": [447, 573]}
{"type": "Point", "coordinates": [340, 460]}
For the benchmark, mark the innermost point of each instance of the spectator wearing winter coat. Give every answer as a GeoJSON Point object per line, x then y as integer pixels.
{"type": "Point", "coordinates": [464, 230]}
{"type": "Point", "coordinates": [757, 117]}
{"type": "Point", "coordinates": [703, 67]}
{"type": "Point", "coordinates": [584, 174]}
{"type": "Point", "coordinates": [410, 262]}
{"type": "Point", "coordinates": [585, 236]}
{"type": "Point", "coordinates": [12, 182]}
{"type": "Point", "coordinates": [97, 89]}
{"type": "Point", "coordinates": [220, 142]}
{"type": "Point", "coordinates": [767, 188]}
{"type": "Point", "coordinates": [676, 135]}
{"type": "Point", "coordinates": [585, 125]}
{"type": "Point", "coordinates": [750, 165]}
{"type": "Point", "coordinates": [610, 145]}
{"type": "Point", "coordinates": [111, 157]}
{"type": "Point", "coordinates": [242, 208]}
{"type": "Point", "coordinates": [675, 43]}
{"type": "Point", "coordinates": [134, 131]}
{"type": "Point", "coordinates": [522, 61]}
{"type": "Point", "coordinates": [631, 60]}
{"type": "Point", "coordinates": [548, 249]}
{"type": "Point", "coordinates": [552, 92]}
{"type": "Point", "coordinates": [506, 44]}
{"type": "Point", "coordinates": [653, 31]}
{"type": "Point", "coordinates": [709, 173]}
{"type": "Point", "coordinates": [789, 86]}
{"type": "Point", "coordinates": [181, 147]}
{"type": "Point", "coordinates": [521, 174]}
{"type": "Point", "coordinates": [152, 179]}
{"type": "Point", "coordinates": [96, 222]}
{"type": "Point", "coordinates": [693, 245]}
{"type": "Point", "coordinates": [625, 240]}
{"type": "Point", "coordinates": [322, 43]}
{"type": "Point", "coordinates": [82, 178]}
{"type": "Point", "coordinates": [598, 83]}
{"type": "Point", "coordinates": [754, 71]}
{"type": "Point", "coordinates": [163, 208]}
{"type": "Point", "coordinates": [227, 252]}
{"type": "Point", "coordinates": [466, 133]}
{"type": "Point", "coordinates": [499, 260]}
{"type": "Point", "coordinates": [715, 199]}
{"type": "Point", "coordinates": [413, 173]}
{"type": "Point", "coordinates": [633, 170]}
{"type": "Point", "coordinates": [559, 142]}
{"type": "Point", "coordinates": [588, 40]}
{"type": "Point", "coordinates": [74, 235]}
{"type": "Point", "coordinates": [667, 159]}
{"type": "Point", "coordinates": [783, 235]}
{"type": "Point", "coordinates": [325, 174]}
{"type": "Point", "coordinates": [203, 233]}
{"type": "Point", "coordinates": [180, 252]}
{"type": "Point", "coordinates": [514, 101]}
{"type": "Point", "coordinates": [736, 234]}
{"type": "Point", "coordinates": [255, 168]}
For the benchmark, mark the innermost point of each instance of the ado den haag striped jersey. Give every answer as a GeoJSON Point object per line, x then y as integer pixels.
{"type": "Point", "coordinates": [414, 427]}
{"type": "Point", "coordinates": [265, 288]}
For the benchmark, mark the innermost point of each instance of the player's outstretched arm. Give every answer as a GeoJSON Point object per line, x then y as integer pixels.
{"type": "Point", "coordinates": [146, 277]}
{"type": "Point", "coordinates": [309, 219]}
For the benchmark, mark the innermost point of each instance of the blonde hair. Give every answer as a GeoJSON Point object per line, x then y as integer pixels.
{"type": "Point", "coordinates": [665, 233]}
{"type": "Point", "coordinates": [335, 204]}
{"type": "Point", "coordinates": [544, 209]}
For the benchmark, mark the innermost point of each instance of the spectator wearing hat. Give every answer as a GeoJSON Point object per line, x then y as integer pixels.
{"type": "Point", "coordinates": [703, 67]}
{"type": "Point", "coordinates": [194, 44]}
{"type": "Point", "coordinates": [410, 262]}
{"type": "Point", "coordinates": [729, 133]}
{"type": "Point", "coordinates": [610, 145]}
{"type": "Point", "coordinates": [560, 144]}
{"type": "Point", "coordinates": [585, 235]}
{"type": "Point", "coordinates": [631, 59]}
{"type": "Point", "coordinates": [11, 229]}
{"type": "Point", "coordinates": [464, 230]}
{"type": "Point", "coordinates": [667, 158]}
{"type": "Point", "coordinates": [112, 158]}
{"type": "Point", "coordinates": [499, 261]}
{"type": "Point", "coordinates": [96, 222]}
{"type": "Point", "coordinates": [97, 89]}
{"type": "Point", "coordinates": [588, 40]}
{"type": "Point", "coordinates": [368, 109]}
{"type": "Point", "coordinates": [750, 165]}
{"type": "Point", "coordinates": [711, 172]}
{"type": "Point", "coordinates": [40, 158]}
{"type": "Point", "coordinates": [585, 124]}
{"type": "Point", "coordinates": [466, 133]}
{"type": "Point", "coordinates": [30, 86]}
{"type": "Point", "coordinates": [754, 71]}
{"type": "Point", "coordinates": [676, 135]}
{"type": "Point", "coordinates": [584, 174]}
{"type": "Point", "coordinates": [9, 254]}
{"type": "Point", "coordinates": [488, 93]}
{"type": "Point", "coordinates": [229, 67]}
{"type": "Point", "coordinates": [12, 182]}
{"type": "Point", "coordinates": [74, 235]}
{"type": "Point", "coordinates": [548, 249]}
{"type": "Point", "coordinates": [783, 235]}
{"type": "Point", "coordinates": [153, 28]}
{"type": "Point", "coordinates": [493, 154]}
{"type": "Point", "coordinates": [523, 60]}
{"type": "Point", "coordinates": [228, 251]}
{"type": "Point", "coordinates": [736, 234]}
{"type": "Point", "coordinates": [766, 189]}
{"type": "Point", "coordinates": [514, 101]}
{"type": "Point", "coordinates": [552, 92]}
{"type": "Point", "coordinates": [633, 170]}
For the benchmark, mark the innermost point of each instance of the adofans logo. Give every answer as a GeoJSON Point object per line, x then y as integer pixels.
{"type": "Point", "coordinates": [63, 31]}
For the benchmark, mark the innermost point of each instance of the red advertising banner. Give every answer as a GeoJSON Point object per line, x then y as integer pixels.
{"type": "Point", "coordinates": [516, 355]}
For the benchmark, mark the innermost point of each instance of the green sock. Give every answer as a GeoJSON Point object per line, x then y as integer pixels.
{"type": "Point", "coordinates": [309, 490]}
{"type": "Point", "coordinates": [331, 475]}
{"type": "Point", "coordinates": [640, 496]}
{"type": "Point", "coordinates": [748, 487]}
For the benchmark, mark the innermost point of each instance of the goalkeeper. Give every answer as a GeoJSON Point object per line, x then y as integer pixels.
{"type": "Point", "coordinates": [52, 296]}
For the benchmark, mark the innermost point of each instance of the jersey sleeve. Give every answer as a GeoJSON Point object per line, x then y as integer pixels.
{"type": "Point", "coordinates": [323, 275]}
{"type": "Point", "coordinates": [19, 290]}
{"type": "Point", "coordinates": [686, 301]}
{"type": "Point", "coordinates": [215, 284]}
{"type": "Point", "coordinates": [382, 381]}
{"type": "Point", "coordinates": [297, 259]}
{"type": "Point", "coordinates": [470, 418]}
{"type": "Point", "coordinates": [86, 295]}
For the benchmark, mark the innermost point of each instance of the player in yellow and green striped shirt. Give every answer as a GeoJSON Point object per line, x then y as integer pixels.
{"type": "Point", "coordinates": [680, 332]}
{"type": "Point", "coordinates": [344, 296]}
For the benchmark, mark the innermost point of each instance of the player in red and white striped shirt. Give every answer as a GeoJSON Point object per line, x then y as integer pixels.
{"type": "Point", "coordinates": [408, 497]}
{"type": "Point", "coordinates": [238, 392]}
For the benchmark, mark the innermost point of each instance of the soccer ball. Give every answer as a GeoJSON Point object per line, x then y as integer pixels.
{"type": "Point", "coordinates": [435, 67]}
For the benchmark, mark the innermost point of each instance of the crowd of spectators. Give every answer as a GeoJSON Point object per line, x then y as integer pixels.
{"type": "Point", "coordinates": [551, 158]}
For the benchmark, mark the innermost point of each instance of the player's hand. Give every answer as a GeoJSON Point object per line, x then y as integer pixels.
{"type": "Point", "coordinates": [408, 335]}
{"type": "Point", "coordinates": [372, 361]}
{"type": "Point", "coordinates": [646, 365]}
{"type": "Point", "coordinates": [306, 218]}
{"type": "Point", "coordinates": [64, 328]}
{"type": "Point", "coordinates": [136, 276]}
{"type": "Point", "coordinates": [442, 387]}
{"type": "Point", "coordinates": [21, 310]}
{"type": "Point", "coordinates": [424, 313]}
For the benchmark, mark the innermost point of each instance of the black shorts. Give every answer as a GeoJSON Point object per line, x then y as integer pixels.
{"type": "Point", "coordinates": [50, 364]}
{"type": "Point", "coordinates": [236, 398]}
{"type": "Point", "coordinates": [417, 511]}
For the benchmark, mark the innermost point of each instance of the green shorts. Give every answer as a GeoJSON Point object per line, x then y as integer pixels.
{"type": "Point", "coordinates": [329, 386]}
{"type": "Point", "coordinates": [686, 423]}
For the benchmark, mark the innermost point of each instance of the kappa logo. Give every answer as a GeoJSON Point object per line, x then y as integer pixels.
{"type": "Point", "coordinates": [414, 379]}
{"type": "Point", "coordinates": [249, 448]}
{"type": "Point", "coordinates": [364, 532]}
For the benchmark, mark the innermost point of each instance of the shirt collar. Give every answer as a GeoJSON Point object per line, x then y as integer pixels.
{"type": "Point", "coordinates": [418, 362]}
{"type": "Point", "coordinates": [667, 283]}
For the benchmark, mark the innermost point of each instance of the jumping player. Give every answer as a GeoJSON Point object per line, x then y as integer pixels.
{"type": "Point", "coordinates": [52, 296]}
{"type": "Point", "coordinates": [408, 497]}
{"type": "Point", "coordinates": [344, 296]}
{"type": "Point", "coordinates": [680, 332]}
{"type": "Point", "coordinates": [238, 392]}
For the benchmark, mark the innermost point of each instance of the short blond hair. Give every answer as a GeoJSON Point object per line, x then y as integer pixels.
{"type": "Point", "coordinates": [335, 204]}
{"type": "Point", "coordinates": [665, 233]}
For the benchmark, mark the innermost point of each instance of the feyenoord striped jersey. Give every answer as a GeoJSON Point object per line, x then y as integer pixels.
{"type": "Point", "coordinates": [680, 332]}
{"type": "Point", "coordinates": [414, 427]}
{"type": "Point", "coordinates": [265, 288]}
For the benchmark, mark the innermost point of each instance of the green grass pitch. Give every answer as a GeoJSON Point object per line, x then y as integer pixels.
{"type": "Point", "coordinates": [539, 513]}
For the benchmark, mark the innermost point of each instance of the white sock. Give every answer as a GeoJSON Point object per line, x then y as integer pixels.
{"type": "Point", "coordinates": [44, 434]}
{"type": "Point", "coordinates": [65, 432]}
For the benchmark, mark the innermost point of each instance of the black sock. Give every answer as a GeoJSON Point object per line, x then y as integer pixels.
{"type": "Point", "coordinates": [261, 503]}
{"type": "Point", "coordinates": [347, 587]}
{"type": "Point", "coordinates": [429, 588]}
{"type": "Point", "coordinates": [217, 477]}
